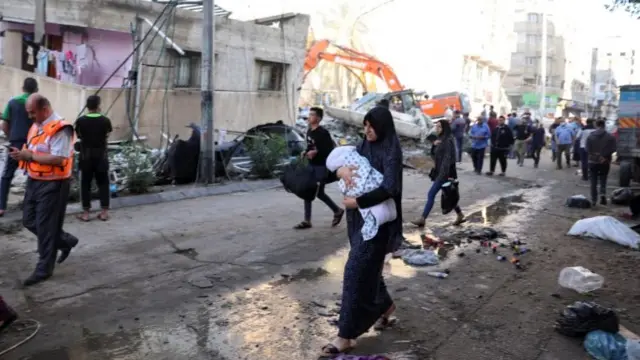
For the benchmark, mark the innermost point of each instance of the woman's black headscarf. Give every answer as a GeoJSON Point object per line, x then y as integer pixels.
{"type": "Point", "coordinates": [446, 128]}
{"type": "Point", "coordinates": [385, 155]}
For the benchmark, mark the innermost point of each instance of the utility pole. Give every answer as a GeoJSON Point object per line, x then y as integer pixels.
{"type": "Point", "coordinates": [543, 64]}
{"type": "Point", "coordinates": [137, 62]}
{"type": "Point", "coordinates": [207, 174]}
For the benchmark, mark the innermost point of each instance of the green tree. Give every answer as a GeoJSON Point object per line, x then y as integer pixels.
{"type": "Point", "coordinates": [630, 6]}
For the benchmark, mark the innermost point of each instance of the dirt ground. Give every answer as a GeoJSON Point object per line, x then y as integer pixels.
{"type": "Point", "coordinates": [226, 278]}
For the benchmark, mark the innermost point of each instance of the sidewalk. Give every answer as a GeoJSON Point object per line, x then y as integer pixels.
{"type": "Point", "coordinates": [177, 193]}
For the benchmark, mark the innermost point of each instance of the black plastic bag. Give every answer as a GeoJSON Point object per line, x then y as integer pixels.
{"type": "Point", "coordinates": [300, 180]}
{"type": "Point", "coordinates": [450, 196]}
{"type": "Point", "coordinates": [621, 196]}
{"type": "Point", "coordinates": [580, 318]}
{"type": "Point", "coordinates": [578, 201]}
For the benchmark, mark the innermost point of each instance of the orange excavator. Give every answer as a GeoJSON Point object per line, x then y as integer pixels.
{"type": "Point", "coordinates": [353, 61]}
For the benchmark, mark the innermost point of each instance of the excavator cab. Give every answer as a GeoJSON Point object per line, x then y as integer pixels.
{"type": "Point", "coordinates": [402, 101]}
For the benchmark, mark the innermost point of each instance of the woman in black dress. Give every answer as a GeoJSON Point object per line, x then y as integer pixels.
{"type": "Point", "coordinates": [365, 299]}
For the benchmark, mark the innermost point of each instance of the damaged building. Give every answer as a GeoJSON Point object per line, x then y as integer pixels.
{"type": "Point", "coordinates": [258, 64]}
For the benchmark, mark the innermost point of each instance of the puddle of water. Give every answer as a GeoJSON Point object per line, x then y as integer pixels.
{"type": "Point", "coordinates": [494, 213]}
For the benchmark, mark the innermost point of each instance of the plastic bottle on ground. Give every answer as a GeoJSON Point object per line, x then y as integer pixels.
{"type": "Point", "coordinates": [436, 274]}
{"type": "Point", "coordinates": [580, 279]}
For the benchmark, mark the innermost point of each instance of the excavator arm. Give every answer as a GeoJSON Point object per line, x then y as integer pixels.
{"type": "Point", "coordinates": [352, 60]}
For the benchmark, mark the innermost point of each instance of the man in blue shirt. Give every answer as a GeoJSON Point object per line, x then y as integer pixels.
{"type": "Point", "coordinates": [480, 135]}
{"type": "Point", "coordinates": [564, 136]}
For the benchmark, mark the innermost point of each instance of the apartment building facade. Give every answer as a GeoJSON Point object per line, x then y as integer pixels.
{"type": "Point", "coordinates": [568, 59]}
{"type": "Point", "coordinates": [258, 63]}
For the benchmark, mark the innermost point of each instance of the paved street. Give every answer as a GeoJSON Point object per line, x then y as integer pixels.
{"type": "Point", "coordinates": [225, 277]}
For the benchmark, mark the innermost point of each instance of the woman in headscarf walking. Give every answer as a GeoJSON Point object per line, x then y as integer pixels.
{"type": "Point", "coordinates": [365, 299]}
{"type": "Point", "coordinates": [444, 157]}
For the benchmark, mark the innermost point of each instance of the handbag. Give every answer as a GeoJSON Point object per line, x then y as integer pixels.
{"type": "Point", "coordinates": [450, 195]}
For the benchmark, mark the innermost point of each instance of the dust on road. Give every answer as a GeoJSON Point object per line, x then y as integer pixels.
{"type": "Point", "coordinates": [269, 293]}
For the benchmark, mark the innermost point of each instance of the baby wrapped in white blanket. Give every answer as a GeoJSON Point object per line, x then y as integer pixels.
{"type": "Point", "coordinates": [367, 179]}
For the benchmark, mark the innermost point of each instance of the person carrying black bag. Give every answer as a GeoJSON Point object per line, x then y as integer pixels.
{"type": "Point", "coordinates": [93, 129]}
{"type": "Point", "coordinates": [445, 168]}
{"type": "Point", "coordinates": [319, 146]}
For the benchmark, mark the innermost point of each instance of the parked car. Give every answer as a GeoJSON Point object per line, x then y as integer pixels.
{"type": "Point", "coordinates": [232, 157]}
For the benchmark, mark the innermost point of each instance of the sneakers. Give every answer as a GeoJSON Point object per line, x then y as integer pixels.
{"type": "Point", "coordinates": [459, 219]}
{"type": "Point", "coordinates": [603, 200]}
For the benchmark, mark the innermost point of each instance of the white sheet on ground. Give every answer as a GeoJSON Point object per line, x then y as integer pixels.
{"type": "Point", "coordinates": [606, 228]}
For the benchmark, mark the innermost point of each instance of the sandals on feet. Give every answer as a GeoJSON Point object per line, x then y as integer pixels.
{"type": "Point", "coordinates": [330, 351]}
{"type": "Point", "coordinates": [102, 217]}
{"type": "Point", "coordinates": [83, 218]}
{"type": "Point", "coordinates": [303, 225]}
{"type": "Point", "coordinates": [384, 323]}
{"type": "Point", "coordinates": [337, 218]}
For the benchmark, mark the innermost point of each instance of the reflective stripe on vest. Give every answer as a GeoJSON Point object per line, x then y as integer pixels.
{"type": "Point", "coordinates": [38, 143]}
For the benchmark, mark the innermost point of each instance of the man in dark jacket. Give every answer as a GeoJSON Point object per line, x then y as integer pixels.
{"type": "Point", "coordinates": [458, 125]}
{"type": "Point", "coordinates": [319, 145]}
{"type": "Point", "coordinates": [15, 124]}
{"type": "Point", "coordinates": [501, 142]}
{"type": "Point", "coordinates": [600, 148]}
{"type": "Point", "coordinates": [537, 142]}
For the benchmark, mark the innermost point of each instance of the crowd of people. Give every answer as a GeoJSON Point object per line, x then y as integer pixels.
{"type": "Point", "coordinates": [573, 142]}
{"type": "Point", "coordinates": [42, 144]}
{"type": "Point", "coordinates": [365, 299]}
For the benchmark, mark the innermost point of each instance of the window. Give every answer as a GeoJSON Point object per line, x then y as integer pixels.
{"type": "Point", "coordinates": [534, 18]}
{"type": "Point", "coordinates": [270, 75]}
{"type": "Point", "coordinates": [531, 60]}
{"type": "Point", "coordinates": [187, 69]}
{"type": "Point", "coordinates": [532, 39]}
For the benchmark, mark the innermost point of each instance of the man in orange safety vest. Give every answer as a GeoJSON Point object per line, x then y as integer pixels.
{"type": "Point", "coordinates": [47, 158]}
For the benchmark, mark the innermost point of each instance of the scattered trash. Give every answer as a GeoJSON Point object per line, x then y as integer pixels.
{"type": "Point", "coordinates": [501, 258]}
{"type": "Point", "coordinates": [621, 196]}
{"type": "Point", "coordinates": [438, 274]}
{"type": "Point", "coordinates": [356, 357]}
{"type": "Point", "coordinates": [580, 279]}
{"type": "Point", "coordinates": [516, 262]}
{"type": "Point", "coordinates": [485, 233]}
{"type": "Point", "coordinates": [580, 318]}
{"type": "Point", "coordinates": [633, 349]}
{"type": "Point", "coordinates": [429, 241]}
{"type": "Point", "coordinates": [420, 257]}
{"type": "Point", "coordinates": [603, 345]}
{"type": "Point", "coordinates": [578, 201]}
{"type": "Point", "coordinates": [606, 228]}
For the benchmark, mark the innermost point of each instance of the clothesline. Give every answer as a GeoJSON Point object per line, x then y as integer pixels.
{"type": "Point", "coordinates": [68, 65]}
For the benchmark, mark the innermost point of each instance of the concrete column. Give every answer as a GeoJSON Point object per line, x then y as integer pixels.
{"type": "Point", "coordinates": [12, 48]}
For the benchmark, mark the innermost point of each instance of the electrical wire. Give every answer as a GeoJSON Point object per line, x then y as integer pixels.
{"type": "Point", "coordinates": [169, 22]}
{"type": "Point", "coordinates": [27, 339]}
{"type": "Point", "coordinates": [135, 49]}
